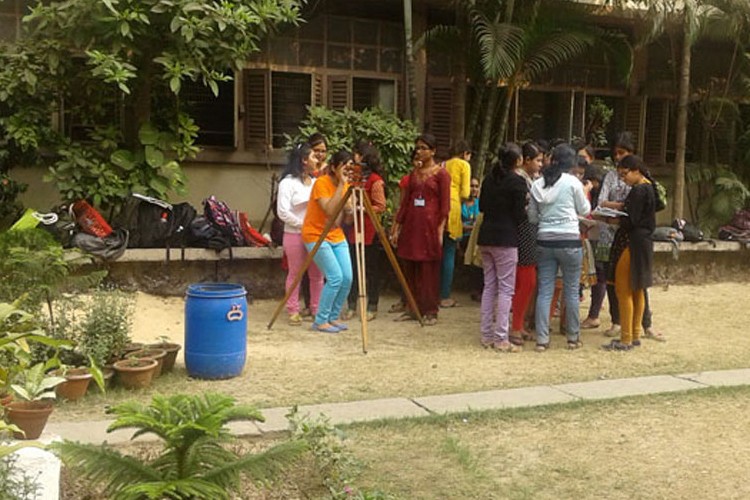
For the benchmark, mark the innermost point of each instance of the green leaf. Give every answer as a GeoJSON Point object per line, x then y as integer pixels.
{"type": "Point", "coordinates": [174, 84]}
{"type": "Point", "coordinates": [148, 134]}
{"type": "Point", "coordinates": [154, 157]}
{"type": "Point", "coordinates": [159, 185]}
{"type": "Point", "coordinates": [123, 159]}
{"type": "Point", "coordinates": [214, 87]}
{"type": "Point", "coordinates": [125, 29]}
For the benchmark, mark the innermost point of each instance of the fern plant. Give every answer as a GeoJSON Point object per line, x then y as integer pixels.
{"type": "Point", "coordinates": [194, 461]}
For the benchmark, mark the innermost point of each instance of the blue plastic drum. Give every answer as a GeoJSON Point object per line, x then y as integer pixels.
{"type": "Point", "coordinates": [215, 330]}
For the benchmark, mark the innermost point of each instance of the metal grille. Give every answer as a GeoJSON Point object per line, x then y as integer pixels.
{"type": "Point", "coordinates": [213, 114]}
{"type": "Point", "coordinates": [290, 95]}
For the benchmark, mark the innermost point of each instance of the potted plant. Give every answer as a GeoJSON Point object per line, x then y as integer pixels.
{"type": "Point", "coordinates": [171, 348]}
{"type": "Point", "coordinates": [78, 379]}
{"type": "Point", "coordinates": [151, 353]}
{"type": "Point", "coordinates": [33, 401]}
{"type": "Point", "coordinates": [135, 373]}
{"type": "Point", "coordinates": [105, 327]}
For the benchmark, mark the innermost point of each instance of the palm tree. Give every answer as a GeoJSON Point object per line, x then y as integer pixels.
{"type": "Point", "coordinates": [194, 462]}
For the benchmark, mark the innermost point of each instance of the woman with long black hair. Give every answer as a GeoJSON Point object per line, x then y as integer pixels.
{"type": "Point", "coordinates": [557, 200]}
{"type": "Point", "coordinates": [503, 203]}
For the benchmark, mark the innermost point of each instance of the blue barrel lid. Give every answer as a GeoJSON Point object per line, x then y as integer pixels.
{"type": "Point", "coordinates": [216, 290]}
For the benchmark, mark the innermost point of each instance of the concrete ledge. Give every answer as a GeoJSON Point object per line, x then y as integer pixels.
{"type": "Point", "coordinates": [702, 246]}
{"type": "Point", "coordinates": [199, 254]}
{"type": "Point", "coordinates": [724, 378]}
{"type": "Point", "coordinates": [619, 388]}
{"type": "Point", "coordinates": [494, 400]}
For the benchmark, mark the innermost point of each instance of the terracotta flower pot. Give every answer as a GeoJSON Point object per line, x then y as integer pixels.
{"type": "Point", "coordinates": [131, 347]}
{"type": "Point", "coordinates": [134, 373]}
{"type": "Point", "coordinates": [171, 357]}
{"type": "Point", "coordinates": [150, 353]}
{"type": "Point", "coordinates": [76, 383]}
{"type": "Point", "coordinates": [5, 399]}
{"type": "Point", "coordinates": [30, 416]}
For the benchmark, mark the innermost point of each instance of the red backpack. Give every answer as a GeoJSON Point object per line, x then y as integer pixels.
{"type": "Point", "coordinates": [252, 237]}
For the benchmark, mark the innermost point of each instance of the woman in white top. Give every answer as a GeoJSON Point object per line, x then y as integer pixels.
{"type": "Point", "coordinates": [294, 194]}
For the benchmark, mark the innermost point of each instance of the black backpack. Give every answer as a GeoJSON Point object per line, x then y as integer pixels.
{"type": "Point", "coordinates": [689, 231]}
{"type": "Point", "coordinates": [203, 233]}
{"type": "Point", "coordinates": [154, 223]}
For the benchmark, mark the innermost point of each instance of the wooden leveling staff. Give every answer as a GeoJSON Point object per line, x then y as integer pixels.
{"type": "Point", "coordinates": [362, 205]}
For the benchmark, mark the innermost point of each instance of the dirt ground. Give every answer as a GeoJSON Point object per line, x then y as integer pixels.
{"type": "Point", "coordinates": [706, 327]}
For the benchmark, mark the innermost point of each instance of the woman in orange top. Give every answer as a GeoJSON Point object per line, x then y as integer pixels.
{"type": "Point", "coordinates": [332, 257]}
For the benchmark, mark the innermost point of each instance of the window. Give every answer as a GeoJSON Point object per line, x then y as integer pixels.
{"type": "Point", "coordinates": [372, 93]}
{"type": "Point", "coordinates": [213, 114]}
{"type": "Point", "coordinates": [275, 104]}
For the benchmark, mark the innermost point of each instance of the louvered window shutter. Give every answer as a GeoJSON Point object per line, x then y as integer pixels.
{"type": "Point", "coordinates": [634, 118]}
{"type": "Point", "coordinates": [257, 117]}
{"type": "Point", "coordinates": [339, 92]}
{"type": "Point", "coordinates": [439, 107]}
{"type": "Point", "coordinates": [317, 88]}
{"type": "Point", "coordinates": [655, 141]}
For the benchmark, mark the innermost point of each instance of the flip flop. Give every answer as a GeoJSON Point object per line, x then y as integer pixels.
{"type": "Point", "coordinates": [448, 303]}
{"type": "Point", "coordinates": [406, 316]}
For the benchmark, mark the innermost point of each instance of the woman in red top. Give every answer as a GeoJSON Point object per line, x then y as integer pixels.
{"type": "Point", "coordinates": [418, 229]}
{"type": "Point", "coordinates": [368, 157]}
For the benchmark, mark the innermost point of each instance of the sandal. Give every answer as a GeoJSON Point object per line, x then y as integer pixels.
{"type": "Point", "coordinates": [430, 321]}
{"type": "Point", "coordinates": [574, 344]}
{"type": "Point", "coordinates": [515, 339]}
{"type": "Point", "coordinates": [616, 345]}
{"type": "Point", "coordinates": [446, 303]}
{"type": "Point", "coordinates": [651, 334]}
{"type": "Point", "coordinates": [398, 307]}
{"type": "Point", "coordinates": [405, 316]}
{"type": "Point", "coordinates": [506, 346]}
{"type": "Point", "coordinates": [541, 347]}
{"type": "Point", "coordinates": [528, 336]}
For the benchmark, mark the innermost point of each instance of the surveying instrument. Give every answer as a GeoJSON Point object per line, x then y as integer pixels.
{"type": "Point", "coordinates": [362, 206]}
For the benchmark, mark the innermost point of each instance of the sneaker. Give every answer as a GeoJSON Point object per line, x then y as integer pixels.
{"type": "Point", "coordinates": [613, 331]}
{"type": "Point", "coordinates": [590, 324]}
{"type": "Point", "coordinates": [295, 319]}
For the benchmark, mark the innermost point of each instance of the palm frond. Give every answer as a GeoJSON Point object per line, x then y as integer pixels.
{"type": "Point", "coordinates": [104, 466]}
{"type": "Point", "coordinates": [440, 37]}
{"type": "Point", "coordinates": [179, 488]}
{"type": "Point", "coordinates": [554, 51]}
{"type": "Point", "coordinates": [500, 45]}
{"type": "Point", "coordinates": [259, 466]}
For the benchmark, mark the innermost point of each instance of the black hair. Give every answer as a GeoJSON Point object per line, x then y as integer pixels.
{"type": "Point", "coordinates": [530, 150]}
{"type": "Point", "coordinates": [317, 138]}
{"type": "Point", "coordinates": [563, 158]}
{"type": "Point", "coordinates": [294, 166]}
{"type": "Point", "coordinates": [624, 140]}
{"type": "Point", "coordinates": [634, 162]}
{"type": "Point", "coordinates": [460, 148]}
{"type": "Point", "coordinates": [428, 139]}
{"type": "Point", "coordinates": [337, 159]}
{"type": "Point", "coordinates": [543, 145]}
{"type": "Point", "coordinates": [507, 158]}
{"type": "Point", "coordinates": [589, 150]}
{"type": "Point", "coordinates": [370, 157]}
{"type": "Point", "coordinates": [581, 162]}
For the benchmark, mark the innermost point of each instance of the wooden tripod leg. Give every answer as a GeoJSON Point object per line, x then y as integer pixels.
{"type": "Point", "coordinates": [359, 250]}
{"type": "Point", "coordinates": [394, 262]}
{"type": "Point", "coordinates": [310, 256]}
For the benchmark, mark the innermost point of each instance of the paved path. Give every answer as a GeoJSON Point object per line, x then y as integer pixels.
{"type": "Point", "coordinates": [375, 409]}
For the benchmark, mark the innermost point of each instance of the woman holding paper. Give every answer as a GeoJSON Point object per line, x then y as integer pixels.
{"type": "Point", "coordinates": [633, 253]}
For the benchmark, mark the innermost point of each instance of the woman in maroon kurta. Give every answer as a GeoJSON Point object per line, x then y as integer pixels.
{"type": "Point", "coordinates": [419, 226]}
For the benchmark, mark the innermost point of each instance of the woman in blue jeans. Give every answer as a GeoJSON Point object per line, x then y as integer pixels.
{"type": "Point", "coordinates": [557, 199]}
{"type": "Point", "coordinates": [332, 257]}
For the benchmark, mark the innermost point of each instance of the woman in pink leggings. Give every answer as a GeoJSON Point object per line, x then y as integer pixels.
{"type": "Point", "coordinates": [294, 193]}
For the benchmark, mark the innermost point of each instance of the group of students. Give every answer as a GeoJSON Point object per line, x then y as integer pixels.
{"type": "Point", "coordinates": [537, 231]}
{"type": "Point", "coordinates": [533, 229]}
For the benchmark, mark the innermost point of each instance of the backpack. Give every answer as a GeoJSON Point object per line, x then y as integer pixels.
{"type": "Point", "coordinates": [182, 215]}
{"type": "Point", "coordinates": [110, 247]}
{"type": "Point", "coordinates": [149, 221]}
{"type": "Point", "coordinates": [220, 215]}
{"type": "Point", "coordinates": [252, 237]}
{"type": "Point", "coordinates": [202, 233]}
{"type": "Point", "coordinates": [741, 220]}
{"type": "Point", "coordinates": [670, 234]}
{"type": "Point", "coordinates": [689, 231]}
{"type": "Point", "coordinates": [660, 196]}
{"type": "Point", "coordinates": [731, 232]}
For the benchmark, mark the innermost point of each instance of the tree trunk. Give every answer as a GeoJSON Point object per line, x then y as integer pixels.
{"type": "Point", "coordinates": [510, 91]}
{"type": "Point", "coordinates": [458, 113]}
{"type": "Point", "coordinates": [484, 142]}
{"type": "Point", "coordinates": [678, 209]}
{"type": "Point", "coordinates": [476, 107]}
{"type": "Point", "coordinates": [411, 70]}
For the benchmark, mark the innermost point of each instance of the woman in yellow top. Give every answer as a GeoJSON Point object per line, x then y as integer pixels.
{"type": "Point", "coordinates": [332, 257]}
{"type": "Point", "coordinates": [460, 171]}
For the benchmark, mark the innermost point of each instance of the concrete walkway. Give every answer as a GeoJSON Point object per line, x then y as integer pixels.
{"type": "Point", "coordinates": [363, 411]}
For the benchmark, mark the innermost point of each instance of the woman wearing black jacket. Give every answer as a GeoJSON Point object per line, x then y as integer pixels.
{"type": "Point", "coordinates": [633, 252]}
{"type": "Point", "coordinates": [503, 204]}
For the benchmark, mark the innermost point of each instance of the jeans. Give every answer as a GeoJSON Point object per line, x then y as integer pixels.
{"type": "Point", "coordinates": [569, 261]}
{"type": "Point", "coordinates": [448, 266]}
{"type": "Point", "coordinates": [333, 260]}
